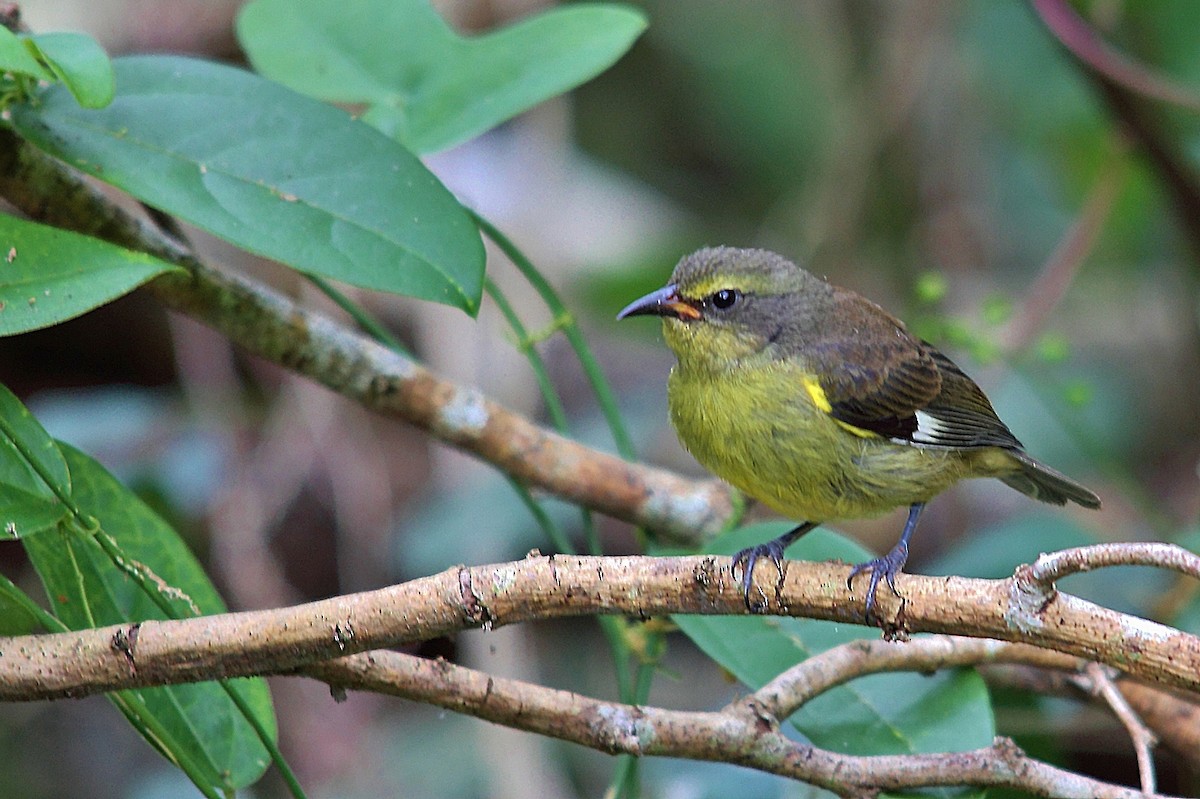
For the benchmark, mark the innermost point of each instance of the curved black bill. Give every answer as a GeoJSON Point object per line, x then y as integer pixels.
{"type": "Point", "coordinates": [664, 302]}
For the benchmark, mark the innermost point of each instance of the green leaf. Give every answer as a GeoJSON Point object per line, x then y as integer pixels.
{"type": "Point", "coordinates": [881, 714]}
{"type": "Point", "coordinates": [15, 56]}
{"type": "Point", "coordinates": [23, 513]}
{"type": "Point", "coordinates": [277, 173]}
{"type": "Point", "coordinates": [86, 589]}
{"type": "Point", "coordinates": [80, 63]}
{"type": "Point", "coordinates": [426, 85]}
{"type": "Point", "coordinates": [16, 614]}
{"type": "Point", "coordinates": [49, 275]}
{"type": "Point", "coordinates": [30, 460]}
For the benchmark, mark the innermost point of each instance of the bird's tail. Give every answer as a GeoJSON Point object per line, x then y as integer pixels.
{"type": "Point", "coordinates": [1039, 481]}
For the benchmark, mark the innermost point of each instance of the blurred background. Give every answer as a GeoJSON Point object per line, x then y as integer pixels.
{"type": "Point", "coordinates": [947, 159]}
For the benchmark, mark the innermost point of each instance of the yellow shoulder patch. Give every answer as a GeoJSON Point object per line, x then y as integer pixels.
{"type": "Point", "coordinates": [817, 394]}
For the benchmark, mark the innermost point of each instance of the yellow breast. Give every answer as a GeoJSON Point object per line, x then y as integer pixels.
{"type": "Point", "coordinates": [784, 449]}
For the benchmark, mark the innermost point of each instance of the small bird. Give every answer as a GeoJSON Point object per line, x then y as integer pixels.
{"type": "Point", "coordinates": [820, 404]}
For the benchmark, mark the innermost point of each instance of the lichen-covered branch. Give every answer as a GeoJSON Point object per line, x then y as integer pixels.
{"type": "Point", "coordinates": [540, 587]}
{"type": "Point", "coordinates": [744, 732]}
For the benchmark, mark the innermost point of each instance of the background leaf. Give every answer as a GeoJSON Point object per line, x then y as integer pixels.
{"type": "Point", "coordinates": [426, 85]}
{"type": "Point", "coordinates": [994, 552]}
{"type": "Point", "coordinates": [86, 589]}
{"type": "Point", "coordinates": [49, 275]}
{"type": "Point", "coordinates": [81, 64]}
{"type": "Point", "coordinates": [279, 174]}
{"type": "Point", "coordinates": [15, 615]}
{"type": "Point", "coordinates": [898, 713]}
{"type": "Point", "coordinates": [29, 458]}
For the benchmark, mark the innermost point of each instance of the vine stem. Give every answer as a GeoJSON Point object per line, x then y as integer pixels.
{"type": "Point", "coordinates": [591, 368]}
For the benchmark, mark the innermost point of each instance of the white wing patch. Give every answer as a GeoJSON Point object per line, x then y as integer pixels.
{"type": "Point", "coordinates": [929, 429]}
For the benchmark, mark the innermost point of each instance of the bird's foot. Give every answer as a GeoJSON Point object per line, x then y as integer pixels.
{"type": "Point", "coordinates": [746, 559]}
{"type": "Point", "coordinates": [884, 568]}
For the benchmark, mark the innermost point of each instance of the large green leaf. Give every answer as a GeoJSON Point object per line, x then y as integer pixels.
{"type": "Point", "coordinates": [30, 460]}
{"type": "Point", "coordinates": [426, 85]}
{"type": "Point", "coordinates": [882, 714]}
{"type": "Point", "coordinates": [272, 171]}
{"type": "Point", "coordinates": [49, 275]}
{"type": "Point", "coordinates": [86, 589]}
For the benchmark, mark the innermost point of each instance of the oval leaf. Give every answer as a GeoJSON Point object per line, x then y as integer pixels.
{"type": "Point", "coordinates": [30, 459]}
{"type": "Point", "coordinates": [200, 717]}
{"type": "Point", "coordinates": [882, 714]}
{"type": "Point", "coordinates": [272, 171]}
{"type": "Point", "coordinates": [81, 64]}
{"type": "Point", "coordinates": [49, 275]}
{"type": "Point", "coordinates": [437, 89]}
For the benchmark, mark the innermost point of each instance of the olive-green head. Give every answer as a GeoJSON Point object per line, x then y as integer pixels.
{"type": "Point", "coordinates": [724, 305]}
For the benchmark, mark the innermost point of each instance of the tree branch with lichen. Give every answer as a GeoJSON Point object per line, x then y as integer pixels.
{"type": "Point", "coordinates": [544, 587]}
{"type": "Point", "coordinates": [745, 731]}
{"type": "Point", "coordinates": [331, 640]}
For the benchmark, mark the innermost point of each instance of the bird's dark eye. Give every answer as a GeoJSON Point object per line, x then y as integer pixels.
{"type": "Point", "coordinates": [725, 298]}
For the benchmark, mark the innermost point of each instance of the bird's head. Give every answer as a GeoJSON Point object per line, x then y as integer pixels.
{"type": "Point", "coordinates": [724, 305]}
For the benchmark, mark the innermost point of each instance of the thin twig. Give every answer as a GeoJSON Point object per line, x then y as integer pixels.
{"type": "Point", "coordinates": [1126, 101]}
{"type": "Point", "coordinates": [1081, 39]}
{"type": "Point", "coordinates": [1033, 584]}
{"type": "Point", "coordinates": [784, 695]}
{"type": "Point", "coordinates": [1060, 268]}
{"type": "Point", "coordinates": [1172, 717]}
{"type": "Point", "coordinates": [1101, 684]}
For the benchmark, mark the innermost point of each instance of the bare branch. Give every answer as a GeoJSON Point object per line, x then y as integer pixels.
{"type": "Point", "coordinates": [743, 732]}
{"type": "Point", "coordinates": [282, 640]}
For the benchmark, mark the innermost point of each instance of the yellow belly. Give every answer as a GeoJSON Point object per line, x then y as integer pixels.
{"type": "Point", "coordinates": [779, 448]}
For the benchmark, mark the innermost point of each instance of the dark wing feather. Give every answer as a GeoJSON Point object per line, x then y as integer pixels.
{"type": "Point", "coordinates": [964, 414]}
{"type": "Point", "coordinates": [900, 387]}
{"type": "Point", "coordinates": [877, 385]}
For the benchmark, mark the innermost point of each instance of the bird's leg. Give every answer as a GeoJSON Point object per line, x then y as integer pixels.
{"type": "Point", "coordinates": [748, 557]}
{"type": "Point", "coordinates": [891, 564]}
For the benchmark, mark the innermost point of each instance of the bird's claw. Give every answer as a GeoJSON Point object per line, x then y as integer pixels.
{"type": "Point", "coordinates": [884, 568]}
{"type": "Point", "coordinates": [747, 558]}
